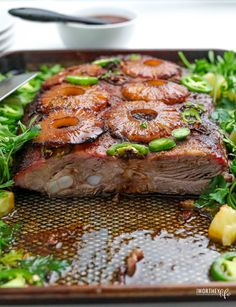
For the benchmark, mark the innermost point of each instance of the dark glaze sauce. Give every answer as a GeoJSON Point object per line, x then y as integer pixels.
{"type": "Point", "coordinates": [111, 18]}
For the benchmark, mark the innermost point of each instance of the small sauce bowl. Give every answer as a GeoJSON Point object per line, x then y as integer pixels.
{"type": "Point", "coordinates": [112, 35]}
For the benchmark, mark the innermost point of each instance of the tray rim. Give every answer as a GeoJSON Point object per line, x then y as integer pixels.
{"type": "Point", "coordinates": [116, 293]}
{"type": "Point", "coordinates": [3, 54]}
{"type": "Point", "coordinates": [108, 293]}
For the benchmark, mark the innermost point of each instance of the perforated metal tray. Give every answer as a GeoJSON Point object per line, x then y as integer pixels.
{"type": "Point", "coordinates": [98, 235]}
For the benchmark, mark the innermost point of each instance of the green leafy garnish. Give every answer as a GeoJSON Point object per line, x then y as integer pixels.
{"type": "Point", "coordinates": [10, 143]}
{"type": "Point", "coordinates": [11, 111]}
{"type": "Point", "coordinates": [12, 258]}
{"type": "Point", "coordinates": [32, 270]}
{"type": "Point", "coordinates": [7, 234]}
{"type": "Point", "coordinates": [18, 269]}
{"type": "Point", "coordinates": [220, 71]}
{"type": "Point", "coordinates": [218, 192]}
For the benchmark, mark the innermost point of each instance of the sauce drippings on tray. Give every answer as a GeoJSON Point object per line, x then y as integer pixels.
{"type": "Point", "coordinates": [111, 18]}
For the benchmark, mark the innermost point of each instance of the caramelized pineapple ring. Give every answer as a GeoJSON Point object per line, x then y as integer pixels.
{"type": "Point", "coordinates": [67, 127]}
{"type": "Point", "coordinates": [71, 97]}
{"type": "Point", "coordinates": [162, 90]}
{"type": "Point", "coordinates": [141, 121]}
{"type": "Point", "coordinates": [150, 68]}
{"type": "Point", "coordinates": [79, 70]}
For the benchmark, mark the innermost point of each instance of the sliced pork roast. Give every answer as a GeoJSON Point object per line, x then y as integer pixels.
{"type": "Point", "coordinates": [135, 101]}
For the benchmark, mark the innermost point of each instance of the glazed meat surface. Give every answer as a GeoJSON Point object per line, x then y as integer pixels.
{"type": "Point", "coordinates": [134, 101]}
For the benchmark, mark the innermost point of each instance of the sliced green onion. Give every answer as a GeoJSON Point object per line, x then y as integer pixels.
{"type": "Point", "coordinates": [82, 80]}
{"type": "Point", "coordinates": [127, 149]}
{"type": "Point", "coordinates": [161, 144]}
{"type": "Point", "coordinates": [181, 133]}
{"type": "Point", "coordinates": [106, 61]}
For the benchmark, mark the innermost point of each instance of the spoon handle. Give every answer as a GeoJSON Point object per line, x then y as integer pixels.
{"type": "Point", "coordinates": [35, 14]}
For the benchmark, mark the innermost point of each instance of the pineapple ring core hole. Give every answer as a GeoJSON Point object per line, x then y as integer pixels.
{"type": "Point", "coordinates": [144, 114]}
{"type": "Point", "coordinates": [65, 122]}
{"type": "Point", "coordinates": [156, 82]}
{"type": "Point", "coordinates": [72, 91]}
{"type": "Point", "coordinates": [152, 62]}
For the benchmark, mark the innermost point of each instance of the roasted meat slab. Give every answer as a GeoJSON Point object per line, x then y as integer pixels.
{"type": "Point", "coordinates": [135, 101]}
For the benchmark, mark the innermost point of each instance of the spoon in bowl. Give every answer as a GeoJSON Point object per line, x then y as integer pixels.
{"type": "Point", "coordinates": [35, 14]}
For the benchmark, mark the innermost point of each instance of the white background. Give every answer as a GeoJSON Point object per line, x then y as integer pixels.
{"type": "Point", "coordinates": [161, 24]}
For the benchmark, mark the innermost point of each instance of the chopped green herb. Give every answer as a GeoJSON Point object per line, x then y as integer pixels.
{"type": "Point", "coordinates": [143, 125]}
{"type": "Point", "coordinates": [7, 234]}
{"type": "Point", "coordinates": [11, 111]}
{"type": "Point", "coordinates": [11, 258]}
{"type": "Point", "coordinates": [191, 116]}
{"type": "Point", "coordinates": [219, 192]}
{"type": "Point", "coordinates": [220, 71]}
{"type": "Point", "coordinates": [18, 269]}
{"type": "Point", "coordinates": [10, 143]}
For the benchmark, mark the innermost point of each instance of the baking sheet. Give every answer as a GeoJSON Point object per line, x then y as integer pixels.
{"type": "Point", "coordinates": [98, 235]}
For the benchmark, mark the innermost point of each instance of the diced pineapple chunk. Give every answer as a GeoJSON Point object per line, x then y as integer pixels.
{"type": "Point", "coordinates": [229, 235]}
{"type": "Point", "coordinates": [223, 226]}
{"type": "Point", "coordinates": [7, 202]}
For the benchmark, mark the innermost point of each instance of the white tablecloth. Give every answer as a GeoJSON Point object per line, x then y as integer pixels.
{"type": "Point", "coordinates": [161, 24]}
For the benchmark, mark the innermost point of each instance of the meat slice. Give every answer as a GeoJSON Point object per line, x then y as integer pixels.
{"type": "Point", "coordinates": [69, 157]}
{"type": "Point", "coordinates": [162, 90]}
